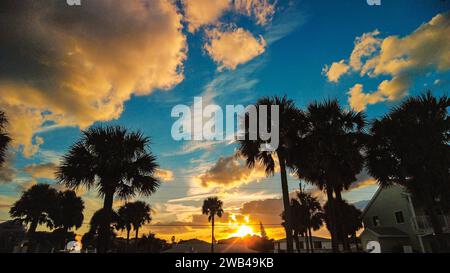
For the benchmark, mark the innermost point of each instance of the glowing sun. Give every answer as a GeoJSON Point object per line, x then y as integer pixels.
{"type": "Point", "coordinates": [243, 231]}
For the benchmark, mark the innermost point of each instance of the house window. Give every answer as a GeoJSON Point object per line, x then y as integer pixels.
{"type": "Point", "coordinates": [399, 217]}
{"type": "Point", "coordinates": [317, 245]}
{"type": "Point", "coordinates": [376, 221]}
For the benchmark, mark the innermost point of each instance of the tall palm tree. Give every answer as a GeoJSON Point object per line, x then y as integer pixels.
{"type": "Point", "coordinates": [114, 161]}
{"type": "Point", "coordinates": [69, 211]}
{"type": "Point", "coordinates": [330, 152]}
{"type": "Point", "coordinates": [35, 207]}
{"type": "Point", "coordinates": [290, 120]}
{"type": "Point", "coordinates": [410, 147]}
{"type": "Point", "coordinates": [212, 206]}
{"type": "Point", "coordinates": [4, 138]}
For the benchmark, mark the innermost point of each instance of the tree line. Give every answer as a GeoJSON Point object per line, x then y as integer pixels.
{"type": "Point", "coordinates": [324, 145]}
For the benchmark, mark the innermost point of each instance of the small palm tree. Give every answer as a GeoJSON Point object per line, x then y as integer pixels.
{"type": "Point", "coordinates": [114, 161]}
{"type": "Point", "coordinates": [69, 212]}
{"type": "Point", "coordinates": [212, 206]}
{"type": "Point", "coordinates": [35, 207]}
{"type": "Point", "coordinates": [290, 121]}
{"type": "Point", "coordinates": [140, 214]}
{"type": "Point", "coordinates": [124, 220]}
{"type": "Point", "coordinates": [96, 224]}
{"type": "Point", "coordinates": [4, 138]}
{"type": "Point", "coordinates": [313, 213]}
{"type": "Point", "coordinates": [351, 219]}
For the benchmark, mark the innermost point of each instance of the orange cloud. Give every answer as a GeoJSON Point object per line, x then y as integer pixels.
{"type": "Point", "coordinates": [231, 48]}
{"type": "Point", "coordinates": [425, 50]}
{"type": "Point", "coordinates": [73, 67]}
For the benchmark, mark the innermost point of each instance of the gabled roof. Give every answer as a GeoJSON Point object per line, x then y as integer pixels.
{"type": "Point", "coordinates": [374, 197]}
{"type": "Point", "coordinates": [388, 232]}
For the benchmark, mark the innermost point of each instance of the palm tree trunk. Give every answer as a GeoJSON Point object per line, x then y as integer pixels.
{"type": "Point", "coordinates": [438, 243]}
{"type": "Point", "coordinates": [311, 240]}
{"type": "Point", "coordinates": [212, 234]}
{"type": "Point", "coordinates": [105, 228]}
{"type": "Point", "coordinates": [31, 232]}
{"type": "Point", "coordinates": [286, 203]}
{"type": "Point", "coordinates": [33, 227]}
{"type": "Point", "coordinates": [343, 225]}
{"type": "Point", "coordinates": [332, 220]}
{"type": "Point", "coordinates": [306, 241]}
{"type": "Point", "coordinates": [137, 238]}
{"type": "Point", "coordinates": [128, 239]}
{"type": "Point", "coordinates": [297, 241]}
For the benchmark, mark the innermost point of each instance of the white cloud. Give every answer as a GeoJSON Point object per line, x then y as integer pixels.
{"type": "Point", "coordinates": [231, 48]}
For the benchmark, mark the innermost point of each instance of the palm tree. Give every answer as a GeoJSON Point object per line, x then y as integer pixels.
{"type": "Point", "coordinates": [298, 224]}
{"type": "Point", "coordinates": [351, 218]}
{"type": "Point", "coordinates": [312, 212]}
{"type": "Point", "coordinates": [290, 119]}
{"type": "Point", "coordinates": [69, 212]}
{"type": "Point", "coordinates": [410, 147]}
{"type": "Point", "coordinates": [114, 161]}
{"type": "Point", "coordinates": [212, 206]}
{"type": "Point", "coordinates": [140, 214]}
{"type": "Point", "coordinates": [124, 220]}
{"type": "Point", "coordinates": [96, 225]}
{"type": "Point", "coordinates": [35, 207]}
{"type": "Point", "coordinates": [330, 152]}
{"type": "Point", "coordinates": [4, 138]}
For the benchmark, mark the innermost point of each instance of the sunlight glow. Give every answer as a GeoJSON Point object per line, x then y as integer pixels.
{"type": "Point", "coordinates": [243, 231]}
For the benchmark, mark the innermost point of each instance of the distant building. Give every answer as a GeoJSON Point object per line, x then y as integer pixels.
{"type": "Point", "coordinates": [320, 245]}
{"type": "Point", "coordinates": [11, 235]}
{"type": "Point", "coordinates": [399, 224]}
{"type": "Point", "coordinates": [198, 246]}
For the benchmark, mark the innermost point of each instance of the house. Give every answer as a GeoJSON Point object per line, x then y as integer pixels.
{"type": "Point", "coordinates": [398, 223]}
{"type": "Point", "coordinates": [320, 245]}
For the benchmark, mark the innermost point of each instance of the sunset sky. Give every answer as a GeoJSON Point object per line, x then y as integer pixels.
{"type": "Point", "coordinates": [130, 62]}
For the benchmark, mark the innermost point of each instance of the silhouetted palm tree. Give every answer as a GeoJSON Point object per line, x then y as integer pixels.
{"type": "Point", "coordinates": [69, 212]}
{"type": "Point", "coordinates": [35, 207]}
{"type": "Point", "coordinates": [95, 226]}
{"type": "Point", "coordinates": [140, 214]}
{"type": "Point", "coordinates": [312, 213]}
{"type": "Point", "coordinates": [410, 147]}
{"type": "Point", "coordinates": [4, 138]}
{"type": "Point", "coordinates": [298, 224]}
{"type": "Point", "coordinates": [330, 152]}
{"type": "Point", "coordinates": [212, 206]}
{"type": "Point", "coordinates": [351, 218]}
{"type": "Point", "coordinates": [114, 161]}
{"type": "Point", "coordinates": [290, 118]}
{"type": "Point", "coordinates": [124, 220]}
